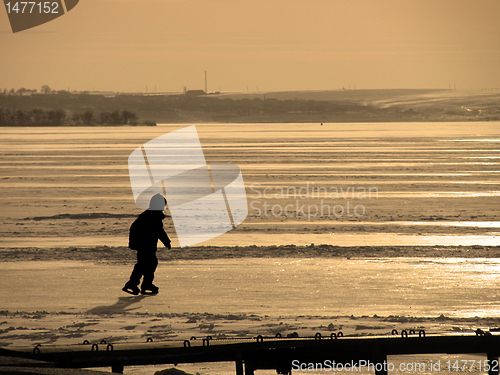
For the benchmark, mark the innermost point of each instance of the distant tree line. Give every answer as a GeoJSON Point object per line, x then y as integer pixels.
{"type": "Point", "coordinates": [24, 91]}
{"type": "Point", "coordinates": [39, 117]}
{"type": "Point", "coordinates": [21, 91]}
{"type": "Point", "coordinates": [105, 118]}
{"type": "Point", "coordinates": [58, 117]}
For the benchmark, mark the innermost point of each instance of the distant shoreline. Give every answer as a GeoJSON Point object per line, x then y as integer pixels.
{"type": "Point", "coordinates": [72, 126]}
{"type": "Point", "coordinates": [343, 106]}
{"type": "Point", "coordinates": [250, 121]}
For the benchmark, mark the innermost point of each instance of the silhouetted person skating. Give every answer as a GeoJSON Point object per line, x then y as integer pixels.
{"type": "Point", "coordinates": [145, 232]}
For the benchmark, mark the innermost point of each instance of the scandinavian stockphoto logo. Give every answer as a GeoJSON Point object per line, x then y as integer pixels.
{"type": "Point", "coordinates": [27, 14]}
{"type": "Point", "coordinates": [205, 200]}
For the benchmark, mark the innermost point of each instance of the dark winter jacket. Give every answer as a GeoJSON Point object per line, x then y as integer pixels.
{"type": "Point", "coordinates": [146, 230]}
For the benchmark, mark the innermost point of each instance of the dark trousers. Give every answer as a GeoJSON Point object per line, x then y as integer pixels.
{"type": "Point", "coordinates": [145, 266]}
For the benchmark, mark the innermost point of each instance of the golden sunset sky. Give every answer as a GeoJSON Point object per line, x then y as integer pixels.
{"type": "Point", "coordinates": [275, 45]}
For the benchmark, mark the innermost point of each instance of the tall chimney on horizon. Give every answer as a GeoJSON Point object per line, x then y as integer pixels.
{"type": "Point", "coordinates": [206, 85]}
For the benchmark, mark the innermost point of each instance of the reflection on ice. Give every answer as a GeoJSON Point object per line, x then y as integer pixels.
{"type": "Point", "coordinates": [273, 286]}
{"type": "Point", "coordinates": [470, 224]}
{"type": "Point", "coordinates": [269, 239]}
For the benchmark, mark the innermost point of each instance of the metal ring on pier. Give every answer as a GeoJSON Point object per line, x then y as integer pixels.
{"type": "Point", "coordinates": [193, 338]}
{"type": "Point", "coordinates": [421, 333]}
{"type": "Point", "coordinates": [278, 335]}
{"type": "Point", "coordinates": [103, 341]}
{"type": "Point", "coordinates": [333, 336]}
{"type": "Point", "coordinates": [394, 332]}
{"type": "Point", "coordinates": [187, 344]}
{"type": "Point", "coordinates": [479, 332]}
{"type": "Point", "coordinates": [317, 336]}
{"type": "Point", "coordinates": [412, 332]}
{"type": "Point", "coordinates": [109, 348]}
{"type": "Point", "coordinates": [209, 337]}
{"type": "Point", "coordinates": [36, 349]}
{"type": "Point", "coordinates": [86, 342]}
{"type": "Point", "coordinates": [404, 333]}
{"type": "Point", "coordinates": [340, 334]}
{"type": "Point", "coordinates": [95, 347]}
{"type": "Point", "coordinates": [260, 338]}
{"type": "Point", "coordinates": [149, 339]}
{"type": "Point", "coordinates": [207, 341]}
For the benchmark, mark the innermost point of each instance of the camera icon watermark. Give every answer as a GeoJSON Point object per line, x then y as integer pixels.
{"type": "Point", "coordinates": [205, 200]}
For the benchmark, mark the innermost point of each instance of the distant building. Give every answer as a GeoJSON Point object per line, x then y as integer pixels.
{"type": "Point", "coordinates": [195, 93]}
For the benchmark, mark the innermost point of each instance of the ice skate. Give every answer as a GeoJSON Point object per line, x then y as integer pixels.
{"type": "Point", "coordinates": [149, 289]}
{"type": "Point", "coordinates": [131, 289]}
